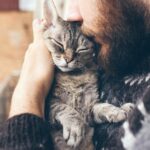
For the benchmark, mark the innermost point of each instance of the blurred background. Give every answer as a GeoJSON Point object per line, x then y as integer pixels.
{"type": "Point", "coordinates": [15, 35]}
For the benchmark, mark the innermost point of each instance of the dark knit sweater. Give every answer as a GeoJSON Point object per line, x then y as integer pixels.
{"type": "Point", "coordinates": [25, 132]}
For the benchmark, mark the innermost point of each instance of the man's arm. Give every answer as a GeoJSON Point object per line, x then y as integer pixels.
{"type": "Point", "coordinates": [25, 129]}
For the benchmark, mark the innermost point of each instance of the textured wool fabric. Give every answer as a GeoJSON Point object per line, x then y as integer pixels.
{"type": "Point", "coordinates": [25, 132]}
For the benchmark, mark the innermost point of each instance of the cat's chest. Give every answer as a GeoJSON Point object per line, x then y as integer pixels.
{"type": "Point", "coordinates": [79, 92]}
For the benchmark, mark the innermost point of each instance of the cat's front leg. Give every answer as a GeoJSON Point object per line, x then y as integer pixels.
{"type": "Point", "coordinates": [105, 112]}
{"type": "Point", "coordinates": [73, 130]}
{"type": "Point", "coordinates": [72, 123]}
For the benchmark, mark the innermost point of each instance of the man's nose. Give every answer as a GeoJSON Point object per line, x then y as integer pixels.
{"type": "Point", "coordinates": [72, 11]}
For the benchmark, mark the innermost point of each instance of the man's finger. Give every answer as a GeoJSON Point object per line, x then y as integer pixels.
{"type": "Point", "coordinates": [39, 25]}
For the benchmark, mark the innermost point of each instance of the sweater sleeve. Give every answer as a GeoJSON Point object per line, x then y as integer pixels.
{"type": "Point", "coordinates": [25, 132]}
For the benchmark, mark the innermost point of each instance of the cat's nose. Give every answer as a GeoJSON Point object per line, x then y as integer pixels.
{"type": "Point", "coordinates": [68, 59]}
{"type": "Point", "coordinates": [68, 56]}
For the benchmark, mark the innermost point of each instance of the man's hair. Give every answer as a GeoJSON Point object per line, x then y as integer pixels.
{"type": "Point", "coordinates": [121, 30]}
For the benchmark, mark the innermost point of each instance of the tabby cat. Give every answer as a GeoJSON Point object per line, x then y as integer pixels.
{"type": "Point", "coordinates": [74, 105]}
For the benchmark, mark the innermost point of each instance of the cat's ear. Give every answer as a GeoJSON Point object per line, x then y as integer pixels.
{"type": "Point", "coordinates": [50, 12]}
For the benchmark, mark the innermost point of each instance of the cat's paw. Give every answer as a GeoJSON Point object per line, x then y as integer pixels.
{"type": "Point", "coordinates": [73, 131]}
{"type": "Point", "coordinates": [105, 112]}
{"type": "Point", "coordinates": [128, 108]}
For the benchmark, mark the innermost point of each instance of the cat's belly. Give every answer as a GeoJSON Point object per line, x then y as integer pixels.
{"type": "Point", "coordinates": [71, 103]}
{"type": "Point", "coordinates": [81, 99]}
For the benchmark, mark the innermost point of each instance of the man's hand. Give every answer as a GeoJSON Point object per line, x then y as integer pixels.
{"type": "Point", "coordinates": [36, 76]}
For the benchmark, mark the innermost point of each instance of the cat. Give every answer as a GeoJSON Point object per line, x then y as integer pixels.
{"type": "Point", "coordinates": [74, 104]}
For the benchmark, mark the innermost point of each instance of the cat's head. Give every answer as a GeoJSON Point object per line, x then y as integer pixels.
{"type": "Point", "coordinates": [70, 49]}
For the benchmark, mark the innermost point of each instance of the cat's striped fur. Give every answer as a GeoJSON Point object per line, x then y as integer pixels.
{"type": "Point", "coordinates": [74, 104]}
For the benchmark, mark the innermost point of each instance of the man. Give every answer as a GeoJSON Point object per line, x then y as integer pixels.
{"type": "Point", "coordinates": [37, 75]}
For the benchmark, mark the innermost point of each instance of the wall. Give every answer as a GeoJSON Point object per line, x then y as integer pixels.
{"type": "Point", "coordinates": [27, 6]}
{"type": "Point", "coordinates": [15, 35]}
{"type": "Point", "coordinates": [60, 4]}
{"type": "Point", "coordinates": [9, 5]}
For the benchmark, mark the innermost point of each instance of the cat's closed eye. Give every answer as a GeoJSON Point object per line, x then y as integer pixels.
{"type": "Point", "coordinates": [56, 42]}
{"type": "Point", "coordinates": [82, 50]}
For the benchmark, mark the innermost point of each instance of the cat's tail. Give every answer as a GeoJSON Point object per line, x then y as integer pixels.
{"type": "Point", "coordinates": [137, 127]}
